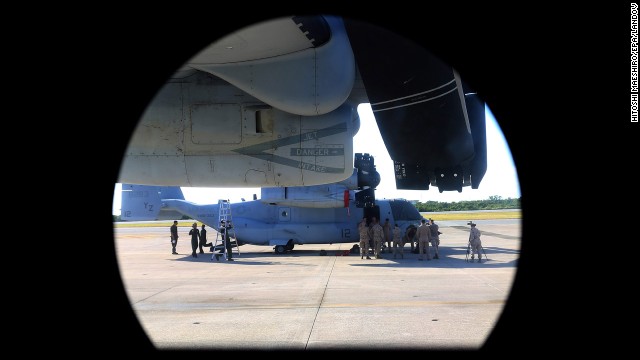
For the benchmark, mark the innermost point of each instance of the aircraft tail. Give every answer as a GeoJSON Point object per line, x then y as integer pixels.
{"type": "Point", "coordinates": [144, 202]}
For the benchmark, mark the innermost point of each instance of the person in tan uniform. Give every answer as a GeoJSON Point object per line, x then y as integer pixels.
{"type": "Point", "coordinates": [378, 238]}
{"type": "Point", "coordinates": [387, 234]}
{"type": "Point", "coordinates": [363, 230]}
{"type": "Point", "coordinates": [397, 242]}
{"type": "Point", "coordinates": [474, 241]}
{"type": "Point", "coordinates": [424, 236]}
{"type": "Point", "coordinates": [435, 237]}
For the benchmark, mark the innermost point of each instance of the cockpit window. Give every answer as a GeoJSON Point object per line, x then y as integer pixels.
{"type": "Point", "coordinates": [404, 210]}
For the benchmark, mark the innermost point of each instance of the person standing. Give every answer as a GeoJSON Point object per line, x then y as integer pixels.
{"type": "Point", "coordinates": [397, 242]}
{"type": "Point", "coordinates": [221, 231]}
{"type": "Point", "coordinates": [174, 237]}
{"type": "Point", "coordinates": [474, 241]}
{"type": "Point", "coordinates": [435, 237]}
{"type": "Point", "coordinates": [203, 239]}
{"type": "Point", "coordinates": [387, 234]}
{"type": "Point", "coordinates": [372, 246]}
{"type": "Point", "coordinates": [227, 240]}
{"type": "Point", "coordinates": [195, 235]}
{"type": "Point", "coordinates": [424, 235]}
{"type": "Point", "coordinates": [224, 232]}
{"type": "Point", "coordinates": [378, 238]}
{"type": "Point", "coordinates": [409, 237]}
{"type": "Point", "coordinates": [363, 230]}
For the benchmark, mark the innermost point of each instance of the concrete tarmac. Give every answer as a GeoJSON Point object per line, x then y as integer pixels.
{"type": "Point", "coordinates": [303, 301]}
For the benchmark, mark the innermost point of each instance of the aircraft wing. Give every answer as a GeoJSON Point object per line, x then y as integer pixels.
{"type": "Point", "coordinates": [275, 104]}
{"type": "Point", "coordinates": [432, 124]}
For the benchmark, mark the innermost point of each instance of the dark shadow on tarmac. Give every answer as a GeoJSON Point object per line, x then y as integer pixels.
{"type": "Point", "coordinates": [446, 260]}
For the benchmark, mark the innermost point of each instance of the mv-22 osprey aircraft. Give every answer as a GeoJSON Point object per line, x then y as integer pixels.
{"type": "Point", "coordinates": [284, 216]}
{"type": "Point", "coordinates": [274, 105]}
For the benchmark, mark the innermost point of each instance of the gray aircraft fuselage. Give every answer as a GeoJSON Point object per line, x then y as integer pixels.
{"type": "Point", "coordinates": [255, 222]}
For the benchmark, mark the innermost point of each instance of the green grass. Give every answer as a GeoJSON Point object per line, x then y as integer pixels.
{"type": "Point", "coordinates": [473, 215]}
{"type": "Point", "coordinates": [181, 223]}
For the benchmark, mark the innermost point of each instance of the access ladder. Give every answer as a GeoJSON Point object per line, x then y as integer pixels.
{"type": "Point", "coordinates": [225, 229]}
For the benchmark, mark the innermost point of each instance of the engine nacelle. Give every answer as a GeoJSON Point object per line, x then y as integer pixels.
{"type": "Point", "coordinates": [312, 74]}
{"type": "Point", "coordinates": [334, 195]}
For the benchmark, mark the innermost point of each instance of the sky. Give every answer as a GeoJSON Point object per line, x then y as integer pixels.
{"type": "Point", "coordinates": [500, 179]}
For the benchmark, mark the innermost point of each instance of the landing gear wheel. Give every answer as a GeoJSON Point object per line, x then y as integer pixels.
{"type": "Point", "coordinates": [280, 249]}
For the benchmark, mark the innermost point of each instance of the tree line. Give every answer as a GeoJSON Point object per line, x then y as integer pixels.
{"type": "Point", "coordinates": [494, 202]}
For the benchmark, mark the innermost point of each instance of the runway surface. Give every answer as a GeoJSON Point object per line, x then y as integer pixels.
{"type": "Point", "coordinates": [304, 301]}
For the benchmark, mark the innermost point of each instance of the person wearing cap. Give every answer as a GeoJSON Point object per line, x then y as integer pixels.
{"type": "Point", "coordinates": [424, 236]}
{"type": "Point", "coordinates": [224, 232]}
{"type": "Point", "coordinates": [227, 241]}
{"type": "Point", "coordinates": [195, 236]}
{"type": "Point", "coordinates": [435, 237]}
{"type": "Point", "coordinates": [474, 241]}
{"type": "Point", "coordinates": [203, 239]}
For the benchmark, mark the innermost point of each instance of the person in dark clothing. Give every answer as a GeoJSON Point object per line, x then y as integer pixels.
{"type": "Point", "coordinates": [387, 234]}
{"type": "Point", "coordinates": [227, 242]}
{"type": "Point", "coordinates": [409, 237]}
{"type": "Point", "coordinates": [203, 239]}
{"type": "Point", "coordinates": [195, 236]}
{"type": "Point", "coordinates": [224, 232]}
{"type": "Point", "coordinates": [174, 237]}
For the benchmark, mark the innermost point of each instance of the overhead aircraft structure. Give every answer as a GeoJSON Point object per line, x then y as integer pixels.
{"type": "Point", "coordinates": [285, 216]}
{"type": "Point", "coordinates": [275, 105]}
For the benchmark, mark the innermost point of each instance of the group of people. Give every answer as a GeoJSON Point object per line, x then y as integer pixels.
{"type": "Point", "coordinates": [374, 235]}
{"type": "Point", "coordinates": [199, 239]}
{"type": "Point", "coordinates": [368, 234]}
{"type": "Point", "coordinates": [428, 233]}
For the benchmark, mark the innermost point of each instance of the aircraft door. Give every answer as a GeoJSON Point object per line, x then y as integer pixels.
{"type": "Point", "coordinates": [284, 214]}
